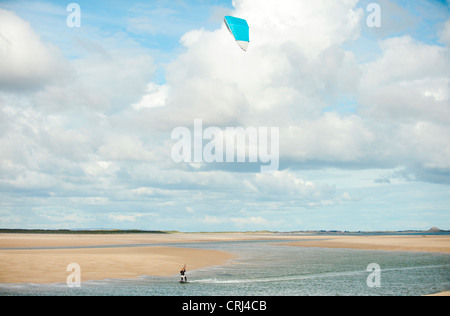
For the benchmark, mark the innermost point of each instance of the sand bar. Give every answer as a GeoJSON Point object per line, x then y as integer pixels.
{"type": "Point", "coordinates": [422, 243]}
{"type": "Point", "coordinates": [43, 265]}
{"type": "Point", "coordinates": [50, 266]}
{"type": "Point", "coordinates": [73, 240]}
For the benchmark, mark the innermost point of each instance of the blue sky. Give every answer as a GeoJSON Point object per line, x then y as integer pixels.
{"type": "Point", "coordinates": [153, 25]}
{"type": "Point", "coordinates": [86, 115]}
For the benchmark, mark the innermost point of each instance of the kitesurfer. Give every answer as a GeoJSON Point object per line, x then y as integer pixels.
{"type": "Point", "coordinates": [183, 274]}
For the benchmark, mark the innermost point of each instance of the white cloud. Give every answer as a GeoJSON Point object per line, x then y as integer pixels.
{"type": "Point", "coordinates": [289, 76]}
{"type": "Point", "coordinates": [290, 24]}
{"type": "Point", "coordinates": [288, 185]}
{"type": "Point", "coordinates": [406, 59]}
{"type": "Point", "coordinates": [405, 95]}
{"type": "Point", "coordinates": [211, 220]}
{"type": "Point", "coordinates": [126, 218]}
{"type": "Point", "coordinates": [118, 147]}
{"type": "Point", "coordinates": [25, 60]}
{"type": "Point", "coordinates": [252, 221]}
{"type": "Point", "coordinates": [279, 78]}
{"type": "Point", "coordinates": [156, 97]}
{"type": "Point", "coordinates": [103, 137]}
{"type": "Point", "coordinates": [331, 137]}
{"type": "Point", "coordinates": [429, 142]}
{"type": "Point", "coordinates": [63, 216]}
{"type": "Point", "coordinates": [190, 210]}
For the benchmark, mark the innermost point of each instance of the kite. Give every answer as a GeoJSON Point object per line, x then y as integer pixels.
{"type": "Point", "coordinates": [239, 29]}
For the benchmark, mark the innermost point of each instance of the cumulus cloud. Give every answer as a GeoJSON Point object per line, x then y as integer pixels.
{"type": "Point", "coordinates": [283, 73]}
{"type": "Point", "coordinates": [289, 77]}
{"type": "Point", "coordinates": [105, 135]}
{"type": "Point", "coordinates": [409, 81]}
{"type": "Point", "coordinates": [405, 92]}
{"type": "Point", "coordinates": [331, 137]}
{"type": "Point", "coordinates": [25, 60]}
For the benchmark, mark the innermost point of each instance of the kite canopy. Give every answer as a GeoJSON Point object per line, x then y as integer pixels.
{"type": "Point", "coordinates": [239, 29]}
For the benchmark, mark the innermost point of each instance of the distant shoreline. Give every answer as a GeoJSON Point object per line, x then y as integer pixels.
{"type": "Point", "coordinates": [80, 231]}
{"type": "Point", "coordinates": [432, 231]}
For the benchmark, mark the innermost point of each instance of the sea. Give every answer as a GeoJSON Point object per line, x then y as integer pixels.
{"type": "Point", "coordinates": [265, 268]}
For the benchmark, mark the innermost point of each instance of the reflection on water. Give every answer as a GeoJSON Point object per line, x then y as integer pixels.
{"type": "Point", "coordinates": [266, 269]}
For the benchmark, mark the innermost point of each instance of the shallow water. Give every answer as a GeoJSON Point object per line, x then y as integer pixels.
{"type": "Point", "coordinates": [265, 269]}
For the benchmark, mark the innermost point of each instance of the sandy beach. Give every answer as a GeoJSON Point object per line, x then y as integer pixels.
{"type": "Point", "coordinates": [157, 254]}
{"type": "Point", "coordinates": [49, 265]}
{"type": "Point", "coordinates": [423, 243]}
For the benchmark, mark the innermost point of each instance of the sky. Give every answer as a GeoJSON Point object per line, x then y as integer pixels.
{"type": "Point", "coordinates": [87, 114]}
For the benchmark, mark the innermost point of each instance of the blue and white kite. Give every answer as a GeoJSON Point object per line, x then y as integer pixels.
{"type": "Point", "coordinates": [239, 29]}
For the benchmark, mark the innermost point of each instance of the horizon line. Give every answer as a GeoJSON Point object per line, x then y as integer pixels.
{"type": "Point", "coordinates": [154, 231]}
